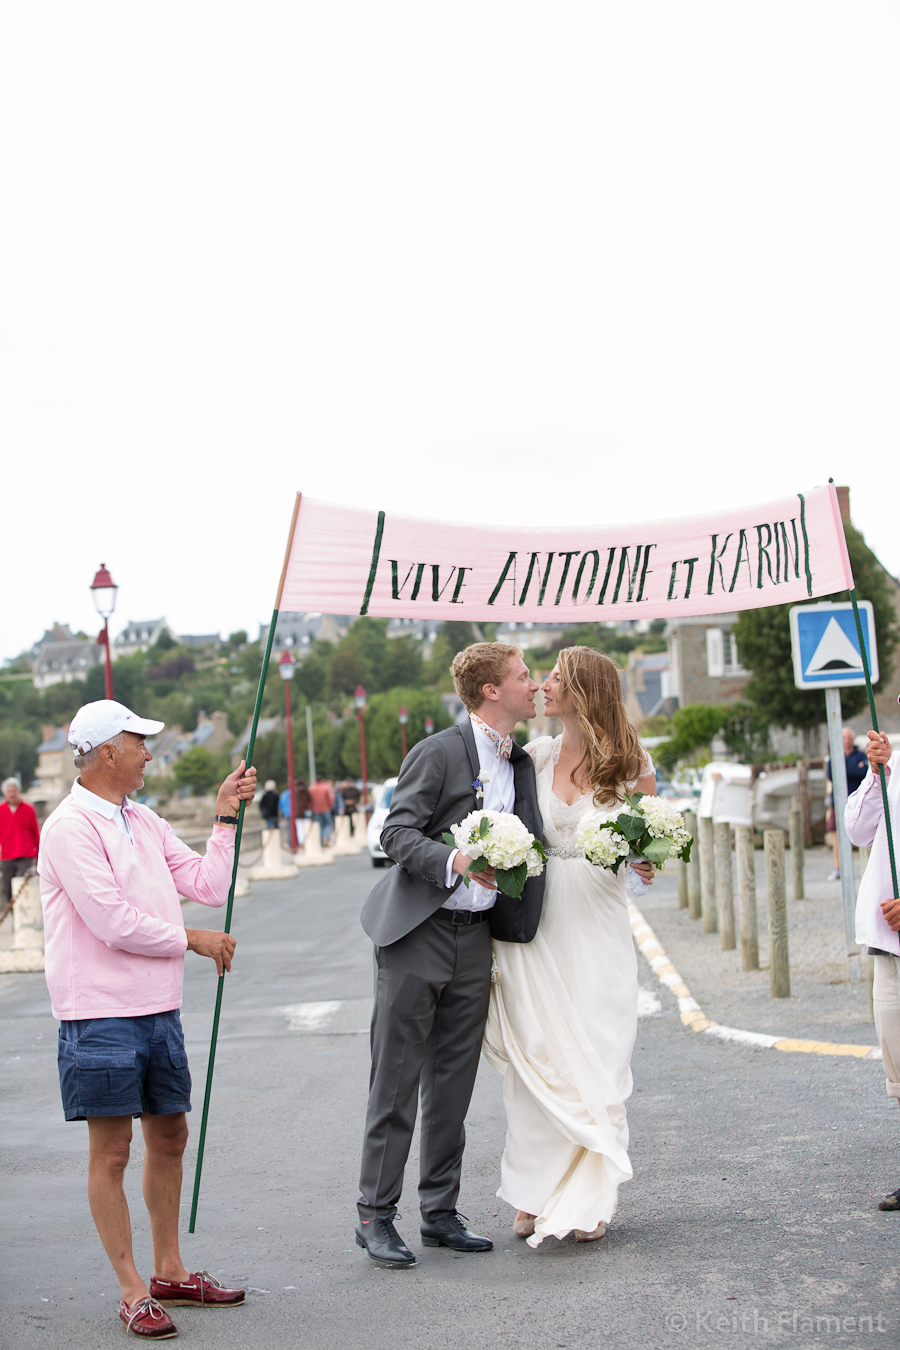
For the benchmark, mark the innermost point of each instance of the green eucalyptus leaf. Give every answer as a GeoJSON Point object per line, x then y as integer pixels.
{"type": "Point", "coordinates": [483, 827]}
{"type": "Point", "coordinates": [448, 838]}
{"type": "Point", "coordinates": [511, 880]}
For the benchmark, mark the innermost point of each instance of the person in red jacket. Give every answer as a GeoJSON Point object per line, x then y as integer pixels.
{"type": "Point", "coordinates": [19, 837]}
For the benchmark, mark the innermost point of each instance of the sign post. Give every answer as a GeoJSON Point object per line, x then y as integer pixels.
{"type": "Point", "coordinates": [825, 645]}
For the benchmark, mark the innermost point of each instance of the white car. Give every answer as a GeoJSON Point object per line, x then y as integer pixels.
{"type": "Point", "coordinates": [382, 797]}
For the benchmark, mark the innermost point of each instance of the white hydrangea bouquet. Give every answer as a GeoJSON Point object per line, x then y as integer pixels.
{"type": "Point", "coordinates": [651, 830]}
{"type": "Point", "coordinates": [499, 840]}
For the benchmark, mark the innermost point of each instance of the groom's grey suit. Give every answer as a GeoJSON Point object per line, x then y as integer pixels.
{"type": "Point", "coordinates": [433, 974]}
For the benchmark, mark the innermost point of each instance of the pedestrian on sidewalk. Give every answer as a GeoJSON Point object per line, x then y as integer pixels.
{"type": "Point", "coordinates": [268, 806]}
{"type": "Point", "coordinates": [321, 795]}
{"type": "Point", "coordinates": [857, 767]}
{"type": "Point", "coordinates": [19, 838]}
{"type": "Point", "coordinates": [877, 912]}
{"type": "Point", "coordinates": [111, 875]}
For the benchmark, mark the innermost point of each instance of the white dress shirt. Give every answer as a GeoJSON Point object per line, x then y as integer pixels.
{"type": "Point", "coordinates": [496, 775]}
{"type": "Point", "coordinates": [91, 802]}
{"type": "Point", "coordinates": [864, 820]}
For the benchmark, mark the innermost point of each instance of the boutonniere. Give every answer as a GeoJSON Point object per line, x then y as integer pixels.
{"type": "Point", "coordinates": [479, 786]}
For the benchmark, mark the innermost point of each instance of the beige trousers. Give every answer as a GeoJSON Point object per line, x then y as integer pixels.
{"type": "Point", "coordinates": [886, 1001]}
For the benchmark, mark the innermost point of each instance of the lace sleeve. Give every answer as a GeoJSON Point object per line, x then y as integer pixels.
{"type": "Point", "coordinates": [647, 769]}
{"type": "Point", "coordinates": [541, 751]}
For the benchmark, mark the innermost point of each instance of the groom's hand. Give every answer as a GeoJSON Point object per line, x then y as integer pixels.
{"type": "Point", "coordinates": [485, 879]}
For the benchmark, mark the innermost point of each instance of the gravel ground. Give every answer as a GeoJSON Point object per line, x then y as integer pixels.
{"type": "Point", "coordinates": [824, 1003]}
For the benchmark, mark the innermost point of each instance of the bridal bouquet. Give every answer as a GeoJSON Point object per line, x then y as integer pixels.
{"type": "Point", "coordinates": [499, 840]}
{"type": "Point", "coordinates": [651, 830]}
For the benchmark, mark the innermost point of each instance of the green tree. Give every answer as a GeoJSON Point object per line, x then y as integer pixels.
{"type": "Point", "coordinates": [197, 769]}
{"type": "Point", "coordinates": [129, 682]}
{"type": "Point", "coordinates": [693, 728]}
{"type": "Point", "coordinates": [764, 643]}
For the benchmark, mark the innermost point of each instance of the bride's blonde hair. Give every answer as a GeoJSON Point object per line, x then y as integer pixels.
{"type": "Point", "coordinates": [589, 687]}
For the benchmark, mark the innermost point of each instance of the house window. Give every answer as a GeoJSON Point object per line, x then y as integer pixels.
{"type": "Point", "coordinates": [721, 653]}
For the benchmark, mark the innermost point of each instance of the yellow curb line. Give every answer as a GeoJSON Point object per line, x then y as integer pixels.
{"type": "Point", "coordinates": [693, 1016]}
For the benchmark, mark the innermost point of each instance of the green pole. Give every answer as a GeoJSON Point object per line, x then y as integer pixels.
{"type": "Point", "coordinates": [221, 983]}
{"type": "Point", "coordinates": [869, 691]}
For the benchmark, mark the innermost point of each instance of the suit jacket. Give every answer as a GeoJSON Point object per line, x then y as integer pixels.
{"type": "Point", "coordinates": [435, 791]}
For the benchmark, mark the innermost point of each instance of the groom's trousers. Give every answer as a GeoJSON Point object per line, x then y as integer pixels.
{"type": "Point", "coordinates": [432, 990]}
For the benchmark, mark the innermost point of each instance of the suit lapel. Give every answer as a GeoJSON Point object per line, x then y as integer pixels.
{"type": "Point", "coordinates": [468, 735]}
{"type": "Point", "coordinates": [526, 790]}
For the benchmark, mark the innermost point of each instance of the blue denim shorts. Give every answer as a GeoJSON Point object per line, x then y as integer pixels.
{"type": "Point", "coordinates": [124, 1066]}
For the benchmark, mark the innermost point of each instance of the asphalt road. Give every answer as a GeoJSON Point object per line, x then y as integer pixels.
{"type": "Point", "coordinates": [751, 1219]}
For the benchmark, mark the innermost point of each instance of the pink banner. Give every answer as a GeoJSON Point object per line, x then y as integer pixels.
{"type": "Point", "coordinates": [343, 561]}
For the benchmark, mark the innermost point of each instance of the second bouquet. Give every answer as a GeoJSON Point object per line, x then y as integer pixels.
{"type": "Point", "coordinates": [499, 840]}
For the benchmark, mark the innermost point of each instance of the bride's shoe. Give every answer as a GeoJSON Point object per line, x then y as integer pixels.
{"type": "Point", "coordinates": [598, 1232]}
{"type": "Point", "coordinates": [523, 1224]}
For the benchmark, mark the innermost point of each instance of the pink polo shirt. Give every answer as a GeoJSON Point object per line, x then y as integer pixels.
{"type": "Point", "coordinates": [114, 938]}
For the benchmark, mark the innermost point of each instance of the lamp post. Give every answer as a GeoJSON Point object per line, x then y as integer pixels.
{"type": "Point", "coordinates": [403, 718]}
{"type": "Point", "coordinates": [429, 726]}
{"type": "Point", "coordinates": [359, 698]}
{"type": "Point", "coordinates": [103, 589]}
{"type": "Point", "coordinates": [286, 671]}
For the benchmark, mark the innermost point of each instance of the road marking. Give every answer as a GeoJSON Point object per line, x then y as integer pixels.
{"type": "Point", "coordinates": [648, 1004]}
{"type": "Point", "coordinates": [693, 1016]}
{"type": "Point", "coordinates": [309, 1016]}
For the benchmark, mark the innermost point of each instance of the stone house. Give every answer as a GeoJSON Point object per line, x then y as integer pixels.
{"type": "Point", "coordinates": [62, 661]}
{"type": "Point", "coordinates": [139, 635]}
{"type": "Point", "coordinates": [56, 771]}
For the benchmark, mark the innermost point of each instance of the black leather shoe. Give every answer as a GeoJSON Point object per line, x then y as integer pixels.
{"type": "Point", "coordinates": [450, 1231]}
{"type": "Point", "coordinates": [384, 1244]}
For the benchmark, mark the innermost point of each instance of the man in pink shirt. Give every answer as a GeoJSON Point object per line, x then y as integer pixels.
{"type": "Point", "coordinates": [111, 874]}
{"type": "Point", "coordinates": [877, 912]}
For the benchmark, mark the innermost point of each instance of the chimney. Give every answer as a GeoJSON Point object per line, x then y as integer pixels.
{"type": "Point", "coordinates": [47, 733]}
{"type": "Point", "coordinates": [844, 502]}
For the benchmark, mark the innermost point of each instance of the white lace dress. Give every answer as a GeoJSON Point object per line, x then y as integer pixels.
{"type": "Point", "coordinates": [561, 1028]}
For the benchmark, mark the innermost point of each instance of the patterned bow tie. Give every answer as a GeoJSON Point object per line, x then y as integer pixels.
{"type": "Point", "coordinates": [503, 744]}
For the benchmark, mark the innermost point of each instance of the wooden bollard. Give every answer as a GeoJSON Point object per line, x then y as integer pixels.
{"type": "Point", "coordinates": [797, 856]}
{"type": "Point", "coordinates": [682, 885]}
{"type": "Point", "coordinates": [776, 898]}
{"type": "Point", "coordinates": [707, 874]}
{"type": "Point", "coordinates": [693, 867]}
{"type": "Point", "coordinates": [745, 861]}
{"type": "Point", "coordinates": [724, 885]}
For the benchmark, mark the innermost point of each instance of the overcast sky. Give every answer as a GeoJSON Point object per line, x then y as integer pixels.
{"type": "Point", "coordinates": [587, 261]}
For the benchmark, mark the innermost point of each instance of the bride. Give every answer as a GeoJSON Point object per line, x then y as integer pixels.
{"type": "Point", "coordinates": [563, 1011]}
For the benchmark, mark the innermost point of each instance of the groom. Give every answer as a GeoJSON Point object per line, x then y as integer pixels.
{"type": "Point", "coordinates": [432, 940]}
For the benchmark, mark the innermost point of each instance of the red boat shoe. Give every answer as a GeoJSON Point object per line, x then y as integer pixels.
{"type": "Point", "coordinates": [147, 1319]}
{"type": "Point", "coordinates": [202, 1290]}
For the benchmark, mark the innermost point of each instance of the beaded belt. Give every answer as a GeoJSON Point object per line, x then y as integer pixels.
{"type": "Point", "coordinates": [565, 852]}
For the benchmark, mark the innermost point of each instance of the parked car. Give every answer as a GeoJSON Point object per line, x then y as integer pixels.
{"type": "Point", "coordinates": [772, 795]}
{"type": "Point", "coordinates": [725, 792]}
{"type": "Point", "coordinates": [381, 797]}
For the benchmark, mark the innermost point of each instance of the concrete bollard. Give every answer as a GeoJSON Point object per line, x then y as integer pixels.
{"type": "Point", "coordinates": [797, 855]}
{"type": "Point", "coordinates": [682, 885]}
{"type": "Point", "coordinates": [275, 865]}
{"type": "Point", "coordinates": [314, 855]}
{"type": "Point", "coordinates": [360, 824]}
{"type": "Point", "coordinates": [776, 898]}
{"type": "Point", "coordinates": [28, 929]}
{"type": "Point", "coordinates": [724, 884]}
{"type": "Point", "coordinates": [693, 867]}
{"type": "Point", "coordinates": [746, 878]}
{"type": "Point", "coordinates": [705, 839]}
{"type": "Point", "coordinates": [344, 843]}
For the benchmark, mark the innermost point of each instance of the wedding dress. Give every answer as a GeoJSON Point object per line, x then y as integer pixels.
{"type": "Point", "coordinates": [561, 1028]}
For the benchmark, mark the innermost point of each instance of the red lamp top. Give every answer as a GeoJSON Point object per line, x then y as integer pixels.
{"type": "Point", "coordinates": [359, 698]}
{"type": "Point", "coordinates": [403, 716]}
{"type": "Point", "coordinates": [286, 665]}
{"type": "Point", "coordinates": [104, 591]}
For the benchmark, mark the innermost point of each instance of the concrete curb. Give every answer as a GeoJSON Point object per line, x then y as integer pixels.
{"type": "Point", "coordinates": [693, 1016]}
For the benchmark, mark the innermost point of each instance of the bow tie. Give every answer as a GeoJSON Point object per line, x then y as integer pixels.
{"type": "Point", "coordinates": [502, 744]}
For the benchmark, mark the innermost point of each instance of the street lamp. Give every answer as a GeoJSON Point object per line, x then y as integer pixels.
{"type": "Point", "coordinates": [286, 671]}
{"type": "Point", "coordinates": [359, 698]}
{"type": "Point", "coordinates": [429, 726]}
{"type": "Point", "coordinates": [103, 589]}
{"type": "Point", "coordinates": [403, 718]}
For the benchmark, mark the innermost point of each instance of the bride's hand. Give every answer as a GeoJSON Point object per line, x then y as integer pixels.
{"type": "Point", "coordinates": [485, 879]}
{"type": "Point", "coordinates": [646, 872]}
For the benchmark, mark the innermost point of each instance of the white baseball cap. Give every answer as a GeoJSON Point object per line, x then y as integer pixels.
{"type": "Point", "coordinates": [96, 723]}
